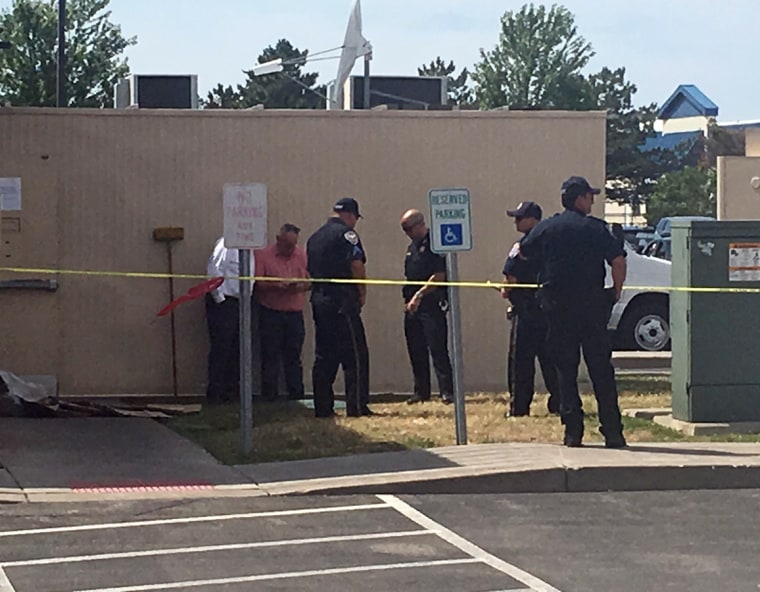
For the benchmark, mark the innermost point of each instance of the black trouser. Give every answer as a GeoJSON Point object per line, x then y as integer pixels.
{"type": "Point", "coordinates": [426, 333]}
{"type": "Point", "coordinates": [339, 340]}
{"type": "Point", "coordinates": [282, 335]}
{"type": "Point", "coordinates": [528, 342]}
{"type": "Point", "coordinates": [575, 324]}
{"type": "Point", "coordinates": [222, 320]}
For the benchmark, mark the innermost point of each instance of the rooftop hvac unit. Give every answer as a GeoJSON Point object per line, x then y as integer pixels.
{"type": "Point", "coordinates": [398, 92]}
{"type": "Point", "coordinates": [153, 91]}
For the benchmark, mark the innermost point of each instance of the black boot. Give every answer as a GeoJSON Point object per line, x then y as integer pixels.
{"type": "Point", "coordinates": [614, 439]}
{"type": "Point", "coordinates": [573, 434]}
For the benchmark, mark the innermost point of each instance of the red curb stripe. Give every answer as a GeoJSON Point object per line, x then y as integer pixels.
{"type": "Point", "coordinates": [137, 485]}
{"type": "Point", "coordinates": [141, 488]}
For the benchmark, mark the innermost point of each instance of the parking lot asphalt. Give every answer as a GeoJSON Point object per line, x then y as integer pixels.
{"type": "Point", "coordinates": [695, 541]}
{"type": "Point", "coordinates": [376, 543]}
{"type": "Point", "coordinates": [698, 541]}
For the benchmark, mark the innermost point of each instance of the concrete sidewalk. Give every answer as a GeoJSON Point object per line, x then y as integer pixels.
{"type": "Point", "coordinates": [105, 458]}
{"type": "Point", "coordinates": [519, 468]}
{"type": "Point", "coordinates": [86, 458]}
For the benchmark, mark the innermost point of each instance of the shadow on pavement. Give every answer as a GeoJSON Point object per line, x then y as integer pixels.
{"type": "Point", "coordinates": [686, 451]}
{"type": "Point", "coordinates": [361, 464]}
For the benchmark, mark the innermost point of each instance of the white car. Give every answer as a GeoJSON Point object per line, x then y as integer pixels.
{"type": "Point", "coordinates": [641, 319]}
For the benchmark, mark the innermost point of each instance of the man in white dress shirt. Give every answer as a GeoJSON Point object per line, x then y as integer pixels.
{"type": "Point", "coordinates": [222, 319]}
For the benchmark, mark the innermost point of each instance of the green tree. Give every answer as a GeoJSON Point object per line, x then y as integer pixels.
{"type": "Point", "coordinates": [289, 89]}
{"type": "Point", "coordinates": [722, 142]}
{"type": "Point", "coordinates": [223, 97]}
{"type": "Point", "coordinates": [94, 48]}
{"type": "Point", "coordinates": [688, 192]}
{"type": "Point", "coordinates": [458, 90]}
{"type": "Point", "coordinates": [631, 173]}
{"type": "Point", "coordinates": [537, 62]}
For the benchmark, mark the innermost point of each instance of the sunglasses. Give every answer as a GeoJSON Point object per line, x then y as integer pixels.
{"type": "Point", "coordinates": [408, 227]}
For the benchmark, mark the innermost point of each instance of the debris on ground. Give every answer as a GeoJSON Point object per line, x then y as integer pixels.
{"type": "Point", "coordinates": [22, 397]}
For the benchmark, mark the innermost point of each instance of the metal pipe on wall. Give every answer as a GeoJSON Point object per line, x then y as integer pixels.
{"type": "Point", "coordinates": [61, 78]}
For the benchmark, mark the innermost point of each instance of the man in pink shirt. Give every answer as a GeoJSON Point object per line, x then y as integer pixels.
{"type": "Point", "coordinates": [281, 325]}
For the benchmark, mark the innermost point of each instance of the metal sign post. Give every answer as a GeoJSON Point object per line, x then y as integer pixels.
{"type": "Point", "coordinates": [246, 354]}
{"type": "Point", "coordinates": [452, 272]}
{"type": "Point", "coordinates": [245, 228]}
{"type": "Point", "coordinates": [451, 232]}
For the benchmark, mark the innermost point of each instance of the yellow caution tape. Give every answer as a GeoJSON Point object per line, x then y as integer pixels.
{"type": "Point", "coordinates": [367, 282]}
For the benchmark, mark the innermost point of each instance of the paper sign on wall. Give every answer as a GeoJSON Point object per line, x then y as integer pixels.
{"type": "Point", "coordinates": [10, 193]}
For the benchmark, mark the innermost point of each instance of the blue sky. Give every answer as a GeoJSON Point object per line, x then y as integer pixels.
{"type": "Point", "coordinates": [662, 43]}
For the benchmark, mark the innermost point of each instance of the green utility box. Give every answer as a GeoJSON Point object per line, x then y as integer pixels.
{"type": "Point", "coordinates": [715, 334]}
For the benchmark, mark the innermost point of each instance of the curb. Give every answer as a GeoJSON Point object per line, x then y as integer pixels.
{"type": "Point", "coordinates": [12, 496]}
{"type": "Point", "coordinates": [458, 480]}
{"type": "Point", "coordinates": [547, 480]}
{"type": "Point", "coordinates": [91, 494]}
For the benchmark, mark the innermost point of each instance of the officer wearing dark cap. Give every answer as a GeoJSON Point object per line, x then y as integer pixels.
{"type": "Point", "coordinates": [527, 339]}
{"type": "Point", "coordinates": [571, 249]}
{"type": "Point", "coordinates": [336, 251]}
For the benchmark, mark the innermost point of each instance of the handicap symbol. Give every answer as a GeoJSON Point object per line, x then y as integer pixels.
{"type": "Point", "coordinates": [451, 234]}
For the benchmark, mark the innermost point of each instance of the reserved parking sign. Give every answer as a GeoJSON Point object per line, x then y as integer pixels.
{"type": "Point", "coordinates": [450, 227]}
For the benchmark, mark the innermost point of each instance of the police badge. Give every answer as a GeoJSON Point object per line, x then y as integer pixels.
{"type": "Point", "coordinates": [515, 252]}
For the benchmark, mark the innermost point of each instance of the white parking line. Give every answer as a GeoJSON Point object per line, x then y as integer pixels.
{"type": "Point", "coordinates": [211, 548]}
{"type": "Point", "coordinates": [5, 583]}
{"type": "Point", "coordinates": [284, 575]}
{"type": "Point", "coordinates": [466, 546]}
{"type": "Point", "coordinates": [192, 519]}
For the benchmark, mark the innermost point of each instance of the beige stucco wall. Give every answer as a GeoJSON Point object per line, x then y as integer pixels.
{"type": "Point", "coordinates": [737, 199]}
{"type": "Point", "coordinates": [752, 142]}
{"type": "Point", "coordinates": [96, 183]}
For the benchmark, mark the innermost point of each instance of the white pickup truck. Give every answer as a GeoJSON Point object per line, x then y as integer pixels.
{"type": "Point", "coordinates": [640, 320]}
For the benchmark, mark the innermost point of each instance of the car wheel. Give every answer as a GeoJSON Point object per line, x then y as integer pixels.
{"type": "Point", "coordinates": [646, 327]}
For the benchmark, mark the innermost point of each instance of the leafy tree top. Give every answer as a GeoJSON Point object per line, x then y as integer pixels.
{"type": "Point", "coordinates": [94, 48]}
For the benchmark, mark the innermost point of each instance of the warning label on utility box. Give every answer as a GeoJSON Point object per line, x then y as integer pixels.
{"type": "Point", "coordinates": [744, 262]}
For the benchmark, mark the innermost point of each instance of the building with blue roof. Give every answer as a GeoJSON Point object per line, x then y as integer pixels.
{"type": "Point", "coordinates": [682, 125]}
{"type": "Point", "coordinates": [683, 122]}
{"type": "Point", "coordinates": [687, 109]}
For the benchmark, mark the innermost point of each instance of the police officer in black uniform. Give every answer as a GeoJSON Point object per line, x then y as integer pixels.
{"type": "Point", "coordinates": [528, 332]}
{"type": "Point", "coordinates": [570, 249]}
{"type": "Point", "coordinates": [425, 306]}
{"type": "Point", "coordinates": [336, 251]}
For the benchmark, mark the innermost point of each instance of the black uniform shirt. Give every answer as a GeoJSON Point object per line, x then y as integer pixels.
{"type": "Point", "coordinates": [570, 250]}
{"type": "Point", "coordinates": [330, 251]}
{"type": "Point", "coordinates": [525, 271]}
{"type": "Point", "coordinates": [420, 263]}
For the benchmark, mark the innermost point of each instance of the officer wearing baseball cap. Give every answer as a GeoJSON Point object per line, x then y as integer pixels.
{"type": "Point", "coordinates": [570, 250]}
{"type": "Point", "coordinates": [527, 338]}
{"type": "Point", "coordinates": [336, 251]}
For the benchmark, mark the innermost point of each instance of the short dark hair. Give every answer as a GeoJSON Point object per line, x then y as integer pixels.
{"type": "Point", "coordinates": [289, 228]}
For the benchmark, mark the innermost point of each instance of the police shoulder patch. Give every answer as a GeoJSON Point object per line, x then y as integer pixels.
{"type": "Point", "coordinates": [515, 252]}
{"type": "Point", "coordinates": [352, 237]}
